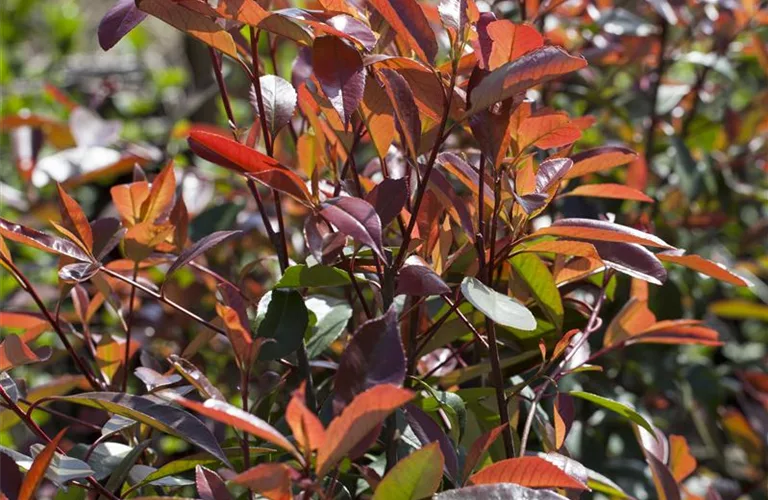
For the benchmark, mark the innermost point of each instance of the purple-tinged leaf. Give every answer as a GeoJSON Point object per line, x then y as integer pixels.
{"type": "Point", "coordinates": [107, 234]}
{"type": "Point", "coordinates": [374, 356]}
{"type": "Point", "coordinates": [564, 413]}
{"type": "Point", "coordinates": [484, 43]}
{"type": "Point", "coordinates": [420, 280]}
{"type": "Point", "coordinates": [388, 198]}
{"type": "Point", "coordinates": [279, 98]}
{"type": "Point", "coordinates": [500, 490]}
{"type": "Point", "coordinates": [198, 248]}
{"type": "Point", "coordinates": [457, 208]}
{"type": "Point", "coordinates": [406, 112]}
{"type": "Point", "coordinates": [632, 259]}
{"type": "Point", "coordinates": [339, 68]}
{"type": "Point", "coordinates": [492, 128]}
{"type": "Point", "coordinates": [210, 486]}
{"type": "Point", "coordinates": [538, 66]}
{"type": "Point", "coordinates": [118, 22]}
{"type": "Point", "coordinates": [324, 244]}
{"type": "Point", "coordinates": [591, 229]}
{"type": "Point", "coordinates": [551, 172]}
{"type": "Point", "coordinates": [52, 244]}
{"type": "Point", "coordinates": [531, 202]}
{"type": "Point", "coordinates": [355, 29]}
{"type": "Point", "coordinates": [407, 19]}
{"type": "Point", "coordinates": [356, 218]}
{"type": "Point", "coordinates": [90, 130]}
{"type": "Point", "coordinates": [78, 272]}
{"type": "Point", "coordinates": [453, 14]}
{"type": "Point", "coordinates": [14, 352]}
{"type": "Point", "coordinates": [428, 431]}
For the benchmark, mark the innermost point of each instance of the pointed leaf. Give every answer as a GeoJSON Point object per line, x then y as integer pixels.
{"type": "Point", "coordinates": [589, 229]}
{"type": "Point", "coordinates": [479, 448]}
{"type": "Point", "coordinates": [420, 280]}
{"type": "Point", "coordinates": [551, 172]}
{"type": "Point", "coordinates": [307, 429]}
{"type": "Point", "coordinates": [616, 407]}
{"type": "Point", "coordinates": [599, 159]}
{"type": "Point", "coordinates": [614, 191]}
{"type": "Point", "coordinates": [510, 41]}
{"type": "Point", "coordinates": [563, 416]}
{"type": "Point", "coordinates": [532, 472]}
{"type": "Point", "coordinates": [118, 22]}
{"type": "Point", "coordinates": [279, 98]}
{"type": "Point", "coordinates": [339, 68]}
{"type": "Point", "coordinates": [209, 485]}
{"type": "Point", "coordinates": [356, 218]}
{"type": "Point", "coordinates": [500, 308]}
{"type": "Point", "coordinates": [31, 237]}
{"type": "Point", "coordinates": [286, 322]}
{"type": "Point", "coordinates": [406, 113]}
{"type": "Point", "coordinates": [319, 276]}
{"type": "Point", "coordinates": [409, 21]}
{"type": "Point", "coordinates": [540, 282]}
{"type": "Point", "coordinates": [539, 66]}
{"type": "Point", "coordinates": [364, 414]}
{"type": "Point", "coordinates": [414, 477]}
{"type": "Point", "coordinates": [14, 352]}
{"type": "Point", "coordinates": [74, 218]}
{"type": "Point", "coordinates": [118, 476]}
{"type": "Point", "coordinates": [497, 491]}
{"type": "Point", "coordinates": [703, 266]}
{"type": "Point", "coordinates": [632, 259]}
{"type": "Point", "coordinates": [191, 253]}
{"type": "Point", "coordinates": [162, 417]}
{"type": "Point", "coordinates": [272, 481]}
{"type": "Point", "coordinates": [388, 199]}
{"type": "Point", "coordinates": [39, 466]}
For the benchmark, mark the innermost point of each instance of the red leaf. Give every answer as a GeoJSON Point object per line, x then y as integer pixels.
{"type": "Point", "coordinates": [339, 68]}
{"type": "Point", "coordinates": [703, 266]}
{"type": "Point", "coordinates": [36, 472]}
{"type": "Point", "coordinates": [563, 247]}
{"type": "Point", "coordinates": [510, 41]}
{"type": "Point", "coordinates": [589, 229]}
{"type": "Point", "coordinates": [356, 218]}
{"type": "Point", "coordinates": [118, 22]}
{"type": "Point", "coordinates": [209, 485]}
{"type": "Point", "coordinates": [550, 130]}
{"type": "Point", "coordinates": [409, 21]}
{"type": "Point", "coordinates": [420, 280]}
{"type": "Point", "coordinates": [479, 447]}
{"type": "Point", "coordinates": [532, 472]}
{"type": "Point", "coordinates": [366, 412]}
{"type": "Point", "coordinates": [14, 352]}
{"type": "Point", "coordinates": [199, 26]}
{"type": "Point", "coordinates": [599, 159]}
{"type": "Point", "coordinates": [406, 112]}
{"type": "Point", "coordinates": [615, 191]}
{"type": "Point", "coordinates": [307, 429]}
{"type": "Point", "coordinates": [272, 481]}
{"type": "Point", "coordinates": [52, 244]}
{"type": "Point", "coordinates": [539, 66]}
{"type": "Point", "coordinates": [377, 114]}
{"type": "Point", "coordinates": [74, 218]}
{"type": "Point", "coordinates": [388, 198]}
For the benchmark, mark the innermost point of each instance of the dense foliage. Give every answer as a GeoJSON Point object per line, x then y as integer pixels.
{"type": "Point", "coordinates": [469, 250]}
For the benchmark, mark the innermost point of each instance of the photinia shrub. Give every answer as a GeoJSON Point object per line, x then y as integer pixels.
{"type": "Point", "coordinates": [396, 276]}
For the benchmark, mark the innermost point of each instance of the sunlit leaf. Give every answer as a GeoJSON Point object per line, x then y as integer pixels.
{"type": "Point", "coordinates": [500, 308]}
{"type": "Point", "coordinates": [415, 476]}
{"type": "Point", "coordinates": [616, 407]}
{"type": "Point", "coordinates": [532, 472]}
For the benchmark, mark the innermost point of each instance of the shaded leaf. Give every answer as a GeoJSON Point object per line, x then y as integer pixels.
{"type": "Point", "coordinates": [539, 281]}
{"type": "Point", "coordinates": [356, 218]}
{"type": "Point", "coordinates": [118, 22]}
{"type": "Point", "coordinates": [364, 414]}
{"type": "Point", "coordinates": [414, 477]}
{"type": "Point", "coordinates": [120, 473]}
{"type": "Point", "coordinates": [339, 69]}
{"type": "Point", "coordinates": [632, 259]}
{"type": "Point", "coordinates": [388, 198]}
{"type": "Point", "coordinates": [564, 413]}
{"type": "Point", "coordinates": [197, 249]}
{"type": "Point", "coordinates": [419, 280]}
{"type": "Point", "coordinates": [14, 352]}
{"type": "Point", "coordinates": [209, 485]}
{"type": "Point", "coordinates": [162, 417]}
{"type": "Point", "coordinates": [428, 431]}
{"type": "Point", "coordinates": [74, 218]}
{"type": "Point", "coordinates": [332, 317]}
{"type": "Point", "coordinates": [551, 172]}
{"type": "Point", "coordinates": [500, 308]}
{"type": "Point", "coordinates": [406, 112]}
{"type": "Point", "coordinates": [286, 322]}
{"type": "Point", "coordinates": [301, 276]}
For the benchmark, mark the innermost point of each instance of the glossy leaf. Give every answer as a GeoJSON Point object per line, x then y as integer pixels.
{"type": "Point", "coordinates": [36, 473]}
{"type": "Point", "coordinates": [307, 429]}
{"type": "Point", "coordinates": [536, 67]}
{"type": "Point", "coordinates": [408, 20]}
{"type": "Point", "coordinates": [189, 254]}
{"type": "Point", "coordinates": [209, 485]}
{"type": "Point", "coordinates": [703, 266]}
{"type": "Point", "coordinates": [599, 159]}
{"type": "Point", "coordinates": [420, 280]}
{"type": "Point", "coordinates": [614, 191]}
{"type": "Point", "coordinates": [356, 218]}
{"type": "Point", "coordinates": [540, 282]}
{"type": "Point", "coordinates": [632, 259]}
{"type": "Point", "coordinates": [510, 41]}
{"type": "Point", "coordinates": [564, 413]}
{"type": "Point", "coordinates": [589, 229]}
{"type": "Point", "coordinates": [74, 218]}
{"type": "Point", "coordinates": [414, 477]}
{"type": "Point", "coordinates": [479, 448]}
{"type": "Point", "coordinates": [406, 112]}
{"type": "Point", "coordinates": [119, 475]}
{"type": "Point", "coordinates": [563, 247]}
{"type": "Point", "coordinates": [36, 239]}
{"type": "Point", "coordinates": [364, 414]}
{"type": "Point", "coordinates": [497, 491]}
{"type": "Point", "coordinates": [532, 472]}
{"type": "Point", "coordinates": [500, 308]}
{"type": "Point", "coordinates": [332, 316]}
{"type": "Point", "coordinates": [339, 69]}
{"type": "Point", "coordinates": [162, 417]}
{"type": "Point", "coordinates": [301, 276]}
{"type": "Point", "coordinates": [14, 352]}
{"type": "Point", "coordinates": [279, 98]}
{"type": "Point", "coordinates": [616, 407]}
{"type": "Point", "coordinates": [118, 22]}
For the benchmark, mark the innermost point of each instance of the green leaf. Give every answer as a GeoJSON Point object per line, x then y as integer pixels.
{"type": "Point", "coordinates": [739, 309]}
{"type": "Point", "coordinates": [120, 474]}
{"type": "Point", "coordinates": [154, 413]}
{"type": "Point", "coordinates": [463, 374]}
{"type": "Point", "coordinates": [414, 477]}
{"type": "Point", "coordinates": [286, 321]}
{"type": "Point", "coordinates": [598, 482]}
{"type": "Point", "coordinates": [500, 308]}
{"type": "Point", "coordinates": [301, 276]}
{"type": "Point", "coordinates": [537, 277]}
{"type": "Point", "coordinates": [616, 407]}
{"type": "Point", "coordinates": [332, 317]}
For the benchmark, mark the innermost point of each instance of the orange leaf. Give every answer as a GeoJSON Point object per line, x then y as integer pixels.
{"type": "Point", "coordinates": [357, 420]}
{"type": "Point", "coordinates": [677, 332]}
{"type": "Point", "coordinates": [306, 427]}
{"type": "Point", "coordinates": [479, 447]}
{"type": "Point", "coordinates": [563, 247]}
{"type": "Point", "coordinates": [614, 191]}
{"type": "Point", "coordinates": [408, 20]}
{"type": "Point", "coordinates": [37, 472]}
{"type": "Point", "coordinates": [128, 200]}
{"type": "Point", "coordinates": [532, 472]}
{"type": "Point", "coordinates": [233, 416]}
{"type": "Point", "coordinates": [158, 205]}
{"type": "Point", "coordinates": [599, 159]}
{"type": "Point", "coordinates": [196, 24]}
{"type": "Point", "coordinates": [681, 462]}
{"type": "Point", "coordinates": [511, 41]}
{"type": "Point", "coordinates": [14, 352]}
{"type": "Point", "coordinates": [31, 324]}
{"type": "Point", "coordinates": [589, 229]}
{"type": "Point", "coordinates": [703, 266]}
{"type": "Point", "coordinates": [376, 111]}
{"type": "Point", "coordinates": [563, 417]}
{"type": "Point", "coordinates": [272, 481]}
{"type": "Point", "coordinates": [110, 354]}
{"type": "Point", "coordinates": [633, 318]}
{"type": "Point", "coordinates": [546, 131]}
{"type": "Point", "coordinates": [74, 218]}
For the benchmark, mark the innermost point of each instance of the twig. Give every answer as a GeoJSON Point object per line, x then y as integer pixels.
{"type": "Point", "coordinates": [128, 324]}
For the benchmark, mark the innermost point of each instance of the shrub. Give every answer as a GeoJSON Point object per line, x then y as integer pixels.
{"type": "Point", "coordinates": [420, 267]}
